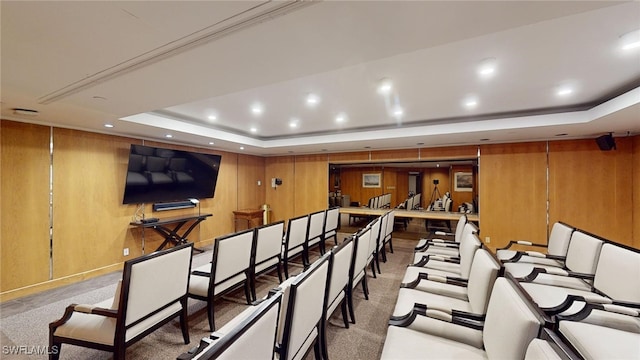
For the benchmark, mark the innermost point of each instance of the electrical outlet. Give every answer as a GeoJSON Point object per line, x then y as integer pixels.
{"type": "Point", "coordinates": [487, 239]}
{"type": "Point", "coordinates": [125, 252]}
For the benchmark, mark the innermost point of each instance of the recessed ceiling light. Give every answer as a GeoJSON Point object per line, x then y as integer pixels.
{"type": "Point", "coordinates": [564, 91]}
{"type": "Point", "coordinates": [108, 125]}
{"type": "Point", "coordinates": [293, 124]}
{"type": "Point", "coordinates": [312, 100]}
{"type": "Point", "coordinates": [630, 40]}
{"type": "Point", "coordinates": [470, 102]}
{"type": "Point", "coordinates": [253, 130]}
{"type": "Point", "coordinates": [487, 67]}
{"type": "Point", "coordinates": [241, 147]}
{"type": "Point", "coordinates": [211, 143]}
{"type": "Point", "coordinates": [212, 117]}
{"type": "Point", "coordinates": [340, 118]}
{"type": "Point", "coordinates": [257, 109]}
{"type": "Point", "coordinates": [169, 136]}
{"type": "Point", "coordinates": [385, 86]}
{"type": "Point", "coordinates": [398, 112]}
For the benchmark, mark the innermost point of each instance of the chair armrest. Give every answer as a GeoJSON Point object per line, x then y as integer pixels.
{"type": "Point", "coordinates": [589, 307]}
{"type": "Point", "coordinates": [437, 278]}
{"type": "Point", "coordinates": [83, 308]}
{"type": "Point", "coordinates": [443, 258]}
{"type": "Point", "coordinates": [204, 342]}
{"type": "Point", "coordinates": [473, 321]}
{"type": "Point", "coordinates": [444, 233]}
{"type": "Point", "coordinates": [200, 273]}
{"type": "Point", "coordinates": [554, 271]}
{"type": "Point", "coordinates": [521, 242]}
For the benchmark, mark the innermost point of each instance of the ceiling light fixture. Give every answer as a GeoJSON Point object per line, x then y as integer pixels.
{"type": "Point", "coordinates": [630, 40]}
{"type": "Point", "coordinates": [340, 118]}
{"type": "Point", "coordinates": [253, 130]}
{"type": "Point", "coordinates": [487, 67]}
{"type": "Point", "coordinates": [212, 117]}
{"type": "Point", "coordinates": [293, 124]}
{"type": "Point", "coordinates": [211, 143]}
{"type": "Point", "coordinates": [168, 136]}
{"type": "Point", "coordinates": [398, 112]}
{"type": "Point", "coordinates": [241, 147]}
{"type": "Point", "coordinates": [564, 91]}
{"type": "Point", "coordinates": [108, 125]}
{"type": "Point", "coordinates": [385, 86]}
{"type": "Point", "coordinates": [257, 109]}
{"type": "Point", "coordinates": [312, 100]}
{"type": "Point", "coordinates": [471, 102]}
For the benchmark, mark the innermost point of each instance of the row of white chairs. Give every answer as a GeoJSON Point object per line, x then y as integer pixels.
{"type": "Point", "coordinates": [239, 258]}
{"type": "Point", "coordinates": [304, 304]}
{"type": "Point", "coordinates": [380, 201]}
{"type": "Point", "coordinates": [587, 285]}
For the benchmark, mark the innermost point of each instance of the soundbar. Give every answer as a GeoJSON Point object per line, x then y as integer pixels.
{"type": "Point", "coordinates": [173, 205]}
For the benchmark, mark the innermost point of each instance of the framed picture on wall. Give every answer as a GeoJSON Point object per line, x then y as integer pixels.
{"type": "Point", "coordinates": [463, 181]}
{"type": "Point", "coordinates": [371, 180]}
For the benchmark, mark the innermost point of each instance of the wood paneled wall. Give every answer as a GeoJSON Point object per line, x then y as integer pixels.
{"type": "Point", "coordinates": [594, 190]}
{"type": "Point", "coordinates": [24, 234]}
{"type": "Point", "coordinates": [590, 189]}
{"type": "Point", "coordinates": [513, 204]}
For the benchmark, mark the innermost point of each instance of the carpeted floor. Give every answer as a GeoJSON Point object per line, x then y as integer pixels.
{"type": "Point", "coordinates": [24, 322]}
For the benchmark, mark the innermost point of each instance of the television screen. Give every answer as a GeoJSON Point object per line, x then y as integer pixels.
{"type": "Point", "coordinates": [161, 175]}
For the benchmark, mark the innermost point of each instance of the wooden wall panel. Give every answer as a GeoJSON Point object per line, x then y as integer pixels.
{"type": "Point", "coordinates": [90, 224]}
{"type": "Point", "coordinates": [347, 157]}
{"type": "Point", "coordinates": [636, 192]}
{"type": "Point", "coordinates": [386, 155]}
{"type": "Point", "coordinates": [590, 189]}
{"type": "Point", "coordinates": [281, 199]}
{"type": "Point", "coordinates": [390, 185]}
{"type": "Point", "coordinates": [512, 188]}
{"type": "Point", "coordinates": [310, 183]}
{"type": "Point", "coordinates": [24, 204]}
{"type": "Point", "coordinates": [351, 179]}
{"type": "Point", "coordinates": [450, 152]}
{"type": "Point", "coordinates": [250, 171]}
{"type": "Point", "coordinates": [402, 187]}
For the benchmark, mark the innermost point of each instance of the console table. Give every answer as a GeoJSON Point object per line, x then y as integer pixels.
{"type": "Point", "coordinates": [172, 228]}
{"type": "Point", "coordinates": [253, 217]}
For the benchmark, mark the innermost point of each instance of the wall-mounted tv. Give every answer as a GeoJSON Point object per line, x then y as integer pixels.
{"type": "Point", "coordinates": [161, 175]}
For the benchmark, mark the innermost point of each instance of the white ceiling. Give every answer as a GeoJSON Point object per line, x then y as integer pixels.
{"type": "Point", "coordinates": [153, 68]}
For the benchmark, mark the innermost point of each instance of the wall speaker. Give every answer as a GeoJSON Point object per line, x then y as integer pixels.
{"type": "Point", "coordinates": [606, 142]}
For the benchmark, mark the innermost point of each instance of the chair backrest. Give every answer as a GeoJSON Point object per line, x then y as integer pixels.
{"type": "Point", "coordinates": [361, 254]}
{"type": "Point", "coordinates": [342, 255]}
{"type": "Point", "coordinates": [253, 338]}
{"type": "Point", "coordinates": [316, 222]}
{"type": "Point", "coordinates": [296, 233]}
{"type": "Point", "coordinates": [417, 200]}
{"type": "Point", "coordinates": [468, 248]}
{"type": "Point", "coordinates": [559, 239]}
{"type": "Point", "coordinates": [375, 234]}
{"type": "Point", "coordinates": [231, 257]}
{"type": "Point", "coordinates": [462, 221]}
{"type": "Point", "coordinates": [390, 222]}
{"type": "Point", "coordinates": [268, 243]}
{"type": "Point", "coordinates": [510, 324]}
{"type": "Point", "coordinates": [583, 252]}
{"type": "Point", "coordinates": [153, 281]}
{"type": "Point", "coordinates": [484, 271]}
{"type": "Point", "coordinates": [305, 309]}
{"type": "Point", "coordinates": [331, 221]}
{"type": "Point", "coordinates": [618, 272]}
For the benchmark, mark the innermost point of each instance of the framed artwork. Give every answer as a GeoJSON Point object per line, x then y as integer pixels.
{"type": "Point", "coordinates": [463, 181]}
{"type": "Point", "coordinates": [371, 180]}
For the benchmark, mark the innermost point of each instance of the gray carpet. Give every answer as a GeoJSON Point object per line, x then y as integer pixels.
{"type": "Point", "coordinates": [28, 326]}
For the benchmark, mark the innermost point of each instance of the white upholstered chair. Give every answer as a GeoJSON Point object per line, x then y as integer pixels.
{"type": "Point", "coordinates": [357, 271]}
{"type": "Point", "coordinates": [229, 269]}
{"type": "Point", "coordinates": [442, 238]}
{"type": "Point", "coordinates": [294, 241]}
{"type": "Point", "coordinates": [152, 292]}
{"type": "Point", "coordinates": [315, 234]}
{"type": "Point", "coordinates": [304, 310]}
{"type": "Point", "coordinates": [331, 224]}
{"type": "Point", "coordinates": [451, 296]}
{"type": "Point", "coordinates": [556, 248]}
{"type": "Point", "coordinates": [268, 252]}
{"type": "Point", "coordinates": [439, 246]}
{"type": "Point", "coordinates": [510, 326]}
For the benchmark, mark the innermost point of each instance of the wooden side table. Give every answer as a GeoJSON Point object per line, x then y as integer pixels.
{"type": "Point", "coordinates": [247, 218]}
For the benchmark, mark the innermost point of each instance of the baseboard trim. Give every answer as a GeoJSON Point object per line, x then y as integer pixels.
{"type": "Point", "coordinates": [55, 283]}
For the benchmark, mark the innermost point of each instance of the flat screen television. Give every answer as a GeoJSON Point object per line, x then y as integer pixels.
{"type": "Point", "coordinates": [157, 175]}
